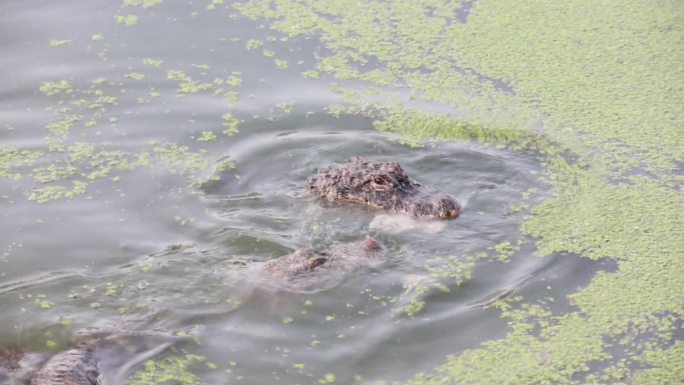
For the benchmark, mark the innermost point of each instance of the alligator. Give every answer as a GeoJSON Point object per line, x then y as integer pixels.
{"type": "Point", "coordinates": [383, 185]}
{"type": "Point", "coordinates": [307, 269]}
{"type": "Point", "coordinates": [78, 365]}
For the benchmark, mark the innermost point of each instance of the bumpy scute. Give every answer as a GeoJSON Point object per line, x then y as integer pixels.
{"type": "Point", "coordinates": [383, 185]}
{"type": "Point", "coordinates": [71, 367]}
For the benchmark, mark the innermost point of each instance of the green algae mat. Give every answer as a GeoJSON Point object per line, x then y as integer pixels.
{"type": "Point", "coordinates": [595, 86]}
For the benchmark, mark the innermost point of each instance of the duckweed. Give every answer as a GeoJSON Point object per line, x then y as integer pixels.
{"type": "Point", "coordinates": [311, 74]}
{"type": "Point", "coordinates": [253, 44]}
{"type": "Point", "coordinates": [153, 62]}
{"type": "Point", "coordinates": [230, 123]}
{"type": "Point", "coordinates": [12, 158]}
{"type": "Point", "coordinates": [128, 20]}
{"type": "Point", "coordinates": [598, 99]}
{"type": "Point", "coordinates": [207, 136]}
{"type": "Point", "coordinates": [186, 84]}
{"type": "Point", "coordinates": [285, 107]}
{"type": "Point", "coordinates": [143, 3]}
{"type": "Point", "coordinates": [281, 64]}
{"type": "Point", "coordinates": [135, 76]}
{"type": "Point", "coordinates": [48, 193]}
{"type": "Point", "coordinates": [169, 370]}
{"type": "Point", "coordinates": [54, 88]}
{"type": "Point", "coordinates": [214, 3]}
{"type": "Point", "coordinates": [235, 79]}
{"type": "Point", "coordinates": [59, 43]}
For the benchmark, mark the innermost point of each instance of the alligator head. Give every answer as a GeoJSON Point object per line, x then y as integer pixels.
{"type": "Point", "coordinates": [383, 185]}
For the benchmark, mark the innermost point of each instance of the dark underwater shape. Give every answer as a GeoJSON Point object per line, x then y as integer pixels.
{"type": "Point", "coordinates": [311, 270]}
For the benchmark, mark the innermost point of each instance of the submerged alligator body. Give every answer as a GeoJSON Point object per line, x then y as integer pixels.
{"type": "Point", "coordinates": [383, 185]}
{"type": "Point", "coordinates": [81, 364]}
{"type": "Point", "coordinates": [75, 366]}
{"type": "Point", "coordinates": [307, 269]}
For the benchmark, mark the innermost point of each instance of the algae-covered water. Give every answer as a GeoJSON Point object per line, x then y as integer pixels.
{"type": "Point", "coordinates": [153, 155]}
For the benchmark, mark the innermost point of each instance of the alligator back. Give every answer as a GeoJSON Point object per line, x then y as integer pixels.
{"type": "Point", "coordinates": [71, 367]}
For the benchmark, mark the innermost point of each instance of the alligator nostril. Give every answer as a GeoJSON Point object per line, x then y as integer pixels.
{"type": "Point", "coordinates": [371, 245]}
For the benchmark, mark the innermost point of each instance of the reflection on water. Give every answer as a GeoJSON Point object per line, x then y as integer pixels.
{"type": "Point", "coordinates": [393, 224]}
{"type": "Point", "coordinates": [177, 204]}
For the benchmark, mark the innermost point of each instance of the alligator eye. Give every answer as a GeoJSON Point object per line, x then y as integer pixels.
{"type": "Point", "coordinates": [381, 184]}
{"type": "Point", "coordinates": [315, 262]}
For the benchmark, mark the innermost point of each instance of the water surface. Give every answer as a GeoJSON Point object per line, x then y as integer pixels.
{"type": "Point", "coordinates": [170, 220]}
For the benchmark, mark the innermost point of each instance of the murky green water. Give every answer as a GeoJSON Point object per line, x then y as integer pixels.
{"type": "Point", "coordinates": [164, 161]}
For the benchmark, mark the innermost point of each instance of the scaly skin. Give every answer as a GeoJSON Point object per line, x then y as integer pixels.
{"type": "Point", "coordinates": [71, 367]}
{"type": "Point", "coordinates": [78, 365]}
{"type": "Point", "coordinates": [75, 366]}
{"type": "Point", "coordinates": [304, 269]}
{"type": "Point", "coordinates": [382, 185]}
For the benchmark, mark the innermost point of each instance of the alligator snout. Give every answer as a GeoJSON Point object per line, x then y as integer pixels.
{"type": "Point", "coordinates": [439, 206]}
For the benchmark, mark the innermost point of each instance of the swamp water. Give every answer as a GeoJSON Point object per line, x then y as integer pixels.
{"type": "Point", "coordinates": [154, 153]}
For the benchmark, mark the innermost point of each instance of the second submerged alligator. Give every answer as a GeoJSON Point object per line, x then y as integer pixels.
{"type": "Point", "coordinates": [383, 185]}
{"type": "Point", "coordinates": [310, 270]}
